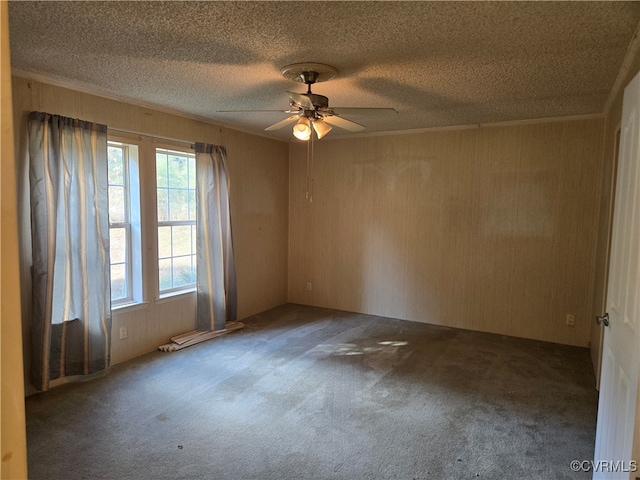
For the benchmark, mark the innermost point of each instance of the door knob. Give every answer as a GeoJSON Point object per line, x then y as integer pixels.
{"type": "Point", "coordinates": [603, 320]}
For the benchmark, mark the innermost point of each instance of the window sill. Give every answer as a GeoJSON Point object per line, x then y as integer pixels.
{"type": "Point", "coordinates": [128, 307]}
{"type": "Point", "coordinates": [166, 297]}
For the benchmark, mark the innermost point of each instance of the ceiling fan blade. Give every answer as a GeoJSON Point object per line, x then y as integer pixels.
{"type": "Point", "coordinates": [364, 110]}
{"type": "Point", "coordinates": [244, 111]}
{"type": "Point", "coordinates": [344, 123]}
{"type": "Point", "coordinates": [282, 123]}
{"type": "Point", "coordinates": [301, 99]}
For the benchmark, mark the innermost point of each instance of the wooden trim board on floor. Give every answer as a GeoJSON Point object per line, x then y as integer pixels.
{"type": "Point", "coordinates": [191, 338]}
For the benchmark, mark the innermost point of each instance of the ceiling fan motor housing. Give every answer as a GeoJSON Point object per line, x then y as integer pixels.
{"type": "Point", "coordinates": [309, 77]}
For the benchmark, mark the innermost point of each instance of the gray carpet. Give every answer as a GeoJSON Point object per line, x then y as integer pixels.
{"type": "Point", "coordinates": [309, 393]}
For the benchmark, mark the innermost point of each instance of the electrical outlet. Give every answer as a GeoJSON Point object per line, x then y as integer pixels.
{"type": "Point", "coordinates": [571, 320]}
{"type": "Point", "coordinates": [123, 333]}
{"type": "Point", "coordinates": [309, 286]}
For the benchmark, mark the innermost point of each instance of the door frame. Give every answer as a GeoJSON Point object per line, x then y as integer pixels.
{"type": "Point", "coordinates": [602, 308]}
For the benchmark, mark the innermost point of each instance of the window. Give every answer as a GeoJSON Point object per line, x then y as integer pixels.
{"type": "Point", "coordinates": [176, 197]}
{"type": "Point", "coordinates": [124, 223]}
{"type": "Point", "coordinates": [119, 225]}
{"type": "Point", "coordinates": [174, 183]}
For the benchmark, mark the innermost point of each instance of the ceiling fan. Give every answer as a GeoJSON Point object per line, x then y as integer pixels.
{"type": "Point", "coordinates": [310, 110]}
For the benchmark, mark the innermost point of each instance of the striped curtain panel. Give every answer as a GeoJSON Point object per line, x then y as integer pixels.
{"type": "Point", "coordinates": [71, 304]}
{"type": "Point", "coordinates": [216, 277]}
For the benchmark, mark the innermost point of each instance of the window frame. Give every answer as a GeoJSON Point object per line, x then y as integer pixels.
{"type": "Point", "coordinates": [191, 287]}
{"type": "Point", "coordinates": [132, 224]}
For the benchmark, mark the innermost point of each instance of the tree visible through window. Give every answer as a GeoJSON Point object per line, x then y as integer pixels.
{"type": "Point", "coordinates": [176, 182]}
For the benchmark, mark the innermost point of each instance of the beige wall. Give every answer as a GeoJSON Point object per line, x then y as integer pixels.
{"type": "Point", "coordinates": [12, 421]}
{"type": "Point", "coordinates": [490, 229]}
{"type": "Point", "coordinates": [258, 170]}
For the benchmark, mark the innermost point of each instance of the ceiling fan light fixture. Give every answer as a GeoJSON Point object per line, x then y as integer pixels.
{"type": "Point", "coordinates": [321, 127]}
{"type": "Point", "coordinates": [302, 129]}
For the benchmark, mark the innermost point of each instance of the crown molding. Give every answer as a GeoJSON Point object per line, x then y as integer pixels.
{"type": "Point", "coordinates": [98, 92]}
{"type": "Point", "coordinates": [509, 123]}
{"type": "Point", "coordinates": [76, 86]}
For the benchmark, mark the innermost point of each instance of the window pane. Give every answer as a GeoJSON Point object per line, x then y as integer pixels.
{"type": "Point", "coordinates": [178, 174]}
{"type": "Point", "coordinates": [181, 240]}
{"type": "Point", "coordinates": [193, 269]}
{"type": "Point", "coordinates": [163, 208]}
{"type": "Point", "coordinates": [182, 271]}
{"type": "Point", "coordinates": [123, 159]}
{"type": "Point", "coordinates": [161, 170]}
{"type": "Point", "coordinates": [118, 281]}
{"type": "Point", "coordinates": [178, 205]}
{"type": "Point", "coordinates": [116, 165]}
{"type": "Point", "coordinates": [116, 204]}
{"type": "Point", "coordinates": [118, 245]}
{"type": "Point", "coordinates": [192, 204]}
{"type": "Point", "coordinates": [193, 240]}
{"type": "Point", "coordinates": [192, 172]}
{"type": "Point", "coordinates": [164, 242]}
{"type": "Point", "coordinates": [164, 274]}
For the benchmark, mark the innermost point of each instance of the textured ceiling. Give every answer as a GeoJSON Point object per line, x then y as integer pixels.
{"type": "Point", "coordinates": [436, 63]}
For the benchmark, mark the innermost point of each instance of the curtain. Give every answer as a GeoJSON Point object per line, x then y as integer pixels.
{"type": "Point", "coordinates": [216, 277]}
{"type": "Point", "coordinates": [71, 300]}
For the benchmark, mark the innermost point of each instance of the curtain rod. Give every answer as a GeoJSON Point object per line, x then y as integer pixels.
{"type": "Point", "coordinates": [153, 137]}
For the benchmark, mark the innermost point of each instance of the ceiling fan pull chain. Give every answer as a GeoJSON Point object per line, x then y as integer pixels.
{"type": "Point", "coordinates": [311, 175]}
{"type": "Point", "coordinates": [308, 172]}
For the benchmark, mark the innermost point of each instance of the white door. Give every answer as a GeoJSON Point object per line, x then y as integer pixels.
{"type": "Point", "coordinates": [621, 349]}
